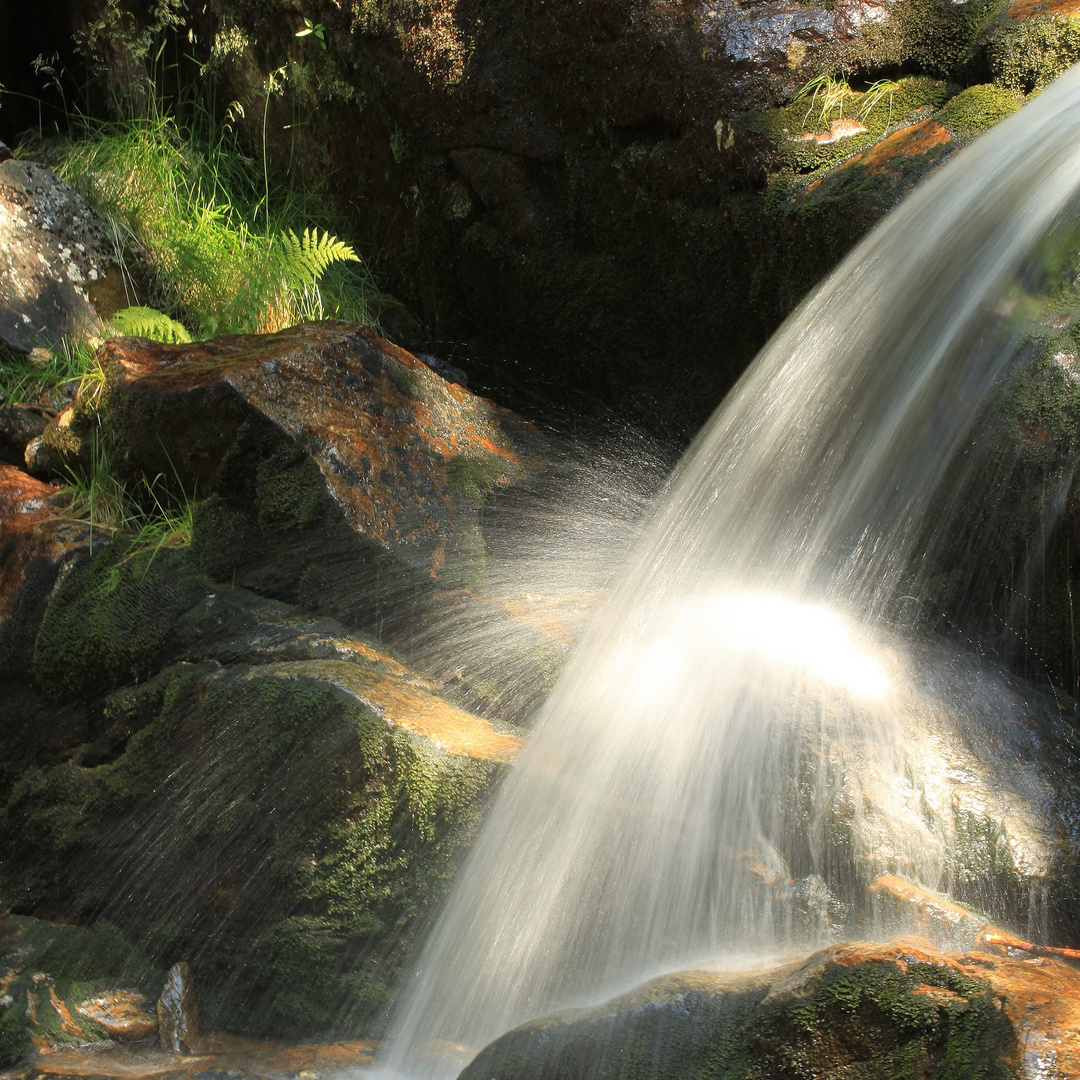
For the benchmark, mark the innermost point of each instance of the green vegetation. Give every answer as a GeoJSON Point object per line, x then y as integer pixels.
{"type": "Point", "coordinates": [978, 108]}
{"type": "Point", "coordinates": [186, 205]}
{"type": "Point", "coordinates": [148, 323]}
{"type": "Point", "coordinates": [1031, 54]}
{"type": "Point", "coordinates": [801, 131]}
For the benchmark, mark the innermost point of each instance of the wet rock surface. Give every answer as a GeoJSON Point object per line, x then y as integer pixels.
{"type": "Point", "coordinates": [899, 1009]}
{"type": "Point", "coordinates": [54, 250]}
{"type": "Point", "coordinates": [406, 455]}
{"type": "Point", "coordinates": [178, 1011]}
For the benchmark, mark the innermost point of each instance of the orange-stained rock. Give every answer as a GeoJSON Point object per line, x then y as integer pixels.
{"type": "Point", "coordinates": [1027, 9]}
{"type": "Point", "coordinates": [230, 1055]}
{"type": "Point", "coordinates": [405, 703]}
{"type": "Point", "coordinates": [37, 541]}
{"type": "Point", "coordinates": [995, 940]}
{"type": "Point", "coordinates": [906, 143]}
{"type": "Point", "coordinates": [902, 1006]}
{"type": "Point", "coordinates": [121, 1013]}
{"type": "Point", "coordinates": [406, 455]}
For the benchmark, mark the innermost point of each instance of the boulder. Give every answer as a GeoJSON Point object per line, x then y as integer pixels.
{"type": "Point", "coordinates": [18, 427]}
{"type": "Point", "coordinates": [315, 790]}
{"type": "Point", "coordinates": [899, 1009]}
{"type": "Point", "coordinates": [323, 414]}
{"type": "Point", "coordinates": [38, 542]}
{"type": "Point", "coordinates": [54, 250]}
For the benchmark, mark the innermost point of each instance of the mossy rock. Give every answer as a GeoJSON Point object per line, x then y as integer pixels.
{"type": "Point", "coordinates": [110, 617]}
{"type": "Point", "coordinates": [1030, 54]}
{"type": "Point", "coordinates": [905, 102]}
{"type": "Point", "coordinates": [978, 108]}
{"type": "Point", "coordinates": [852, 1010]}
{"type": "Point", "coordinates": [262, 824]}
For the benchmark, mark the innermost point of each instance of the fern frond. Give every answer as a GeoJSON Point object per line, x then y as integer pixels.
{"type": "Point", "coordinates": [306, 258]}
{"type": "Point", "coordinates": [148, 323]}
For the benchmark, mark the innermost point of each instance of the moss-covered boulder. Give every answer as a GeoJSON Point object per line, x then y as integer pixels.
{"type": "Point", "coordinates": [896, 1010]}
{"type": "Point", "coordinates": [238, 784]}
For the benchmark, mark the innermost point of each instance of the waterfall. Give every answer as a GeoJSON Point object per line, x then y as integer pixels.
{"type": "Point", "coordinates": [765, 642]}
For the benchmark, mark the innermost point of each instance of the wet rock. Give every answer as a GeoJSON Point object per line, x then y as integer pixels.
{"type": "Point", "coordinates": [405, 456]}
{"type": "Point", "coordinates": [894, 1009]}
{"type": "Point", "coordinates": [121, 1014]}
{"type": "Point", "coordinates": [220, 1057]}
{"type": "Point", "coordinates": [41, 460]}
{"type": "Point", "coordinates": [45, 965]}
{"type": "Point", "coordinates": [18, 426]}
{"type": "Point", "coordinates": [901, 904]}
{"type": "Point", "coordinates": [178, 1012]}
{"type": "Point", "coordinates": [326, 788]}
{"type": "Point", "coordinates": [54, 250]}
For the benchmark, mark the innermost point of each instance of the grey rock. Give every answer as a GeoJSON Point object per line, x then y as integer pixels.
{"type": "Point", "coordinates": [53, 250]}
{"type": "Point", "coordinates": [178, 1012]}
{"type": "Point", "coordinates": [40, 460]}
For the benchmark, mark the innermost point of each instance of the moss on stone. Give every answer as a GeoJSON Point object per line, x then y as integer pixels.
{"type": "Point", "coordinates": [912, 99]}
{"type": "Point", "coordinates": [877, 1020]}
{"type": "Point", "coordinates": [978, 108]}
{"type": "Point", "coordinates": [110, 617]}
{"type": "Point", "coordinates": [73, 961]}
{"type": "Point", "coordinates": [473, 476]}
{"type": "Point", "coordinates": [314, 840]}
{"type": "Point", "coordinates": [1029, 55]}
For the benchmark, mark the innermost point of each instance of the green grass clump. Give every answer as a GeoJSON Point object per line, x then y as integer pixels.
{"type": "Point", "coordinates": [879, 108]}
{"type": "Point", "coordinates": [222, 253]}
{"type": "Point", "coordinates": [42, 373]}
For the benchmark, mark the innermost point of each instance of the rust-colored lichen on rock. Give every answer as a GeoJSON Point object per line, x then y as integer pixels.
{"type": "Point", "coordinates": [905, 143]}
{"type": "Point", "coordinates": [404, 704]}
{"type": "Point", "coordinates": [384, 429]}
{"type": "Point", "coordinates": [32, 527]}
{"type": "Point", "coordinates": [1020, 10]}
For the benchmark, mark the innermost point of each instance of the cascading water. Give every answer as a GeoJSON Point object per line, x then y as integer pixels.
{"type": "Point", "coordinates": [760, 649]}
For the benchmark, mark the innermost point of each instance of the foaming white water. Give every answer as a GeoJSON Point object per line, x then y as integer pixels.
{"type": "Point", "coordinates": [672, 762]}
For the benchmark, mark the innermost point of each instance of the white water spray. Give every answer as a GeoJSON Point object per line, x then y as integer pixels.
{"type": "Point", "coordinates": [759, 618]}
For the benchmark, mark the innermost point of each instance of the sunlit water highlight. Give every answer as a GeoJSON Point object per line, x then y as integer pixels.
{"type": "Point", "coordinates": [756, 658]}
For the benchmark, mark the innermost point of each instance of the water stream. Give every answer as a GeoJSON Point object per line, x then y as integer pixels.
{"type": "Point", "coordinates": [774, 610]}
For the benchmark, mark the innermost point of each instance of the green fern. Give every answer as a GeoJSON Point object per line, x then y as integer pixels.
{"type": "Point", "coordinates": [304, 259]}
{"type": "Point", "coordinates": [148, 323]}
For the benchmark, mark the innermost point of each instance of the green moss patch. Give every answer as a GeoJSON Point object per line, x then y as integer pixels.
{"type": "Point", "coordinates": [110, 617]}
{"type": "Point", "coordinates": [1030, 54]}
{"type": "Point", "coordinates": [978, 108]}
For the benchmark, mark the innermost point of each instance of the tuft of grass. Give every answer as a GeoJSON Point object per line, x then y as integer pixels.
{"type": "Point", "coordinates": [97, 496]}
{"type": "Point", "coordinates": [826, 93]}
{"type": "Point", "coordinates": [221, 255]}
{"type": "Point", "coordinates": [42, 373]}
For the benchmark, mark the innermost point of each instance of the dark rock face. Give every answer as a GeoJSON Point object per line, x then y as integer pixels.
{"type": "Point", "coordinates": [574, 196]}
{"type": "Point", "coordinates": [18, 427]}
{"type": "Point", "coordinates": [901, 1009]}
{"type": "Point", "coordinates": [54, 251]}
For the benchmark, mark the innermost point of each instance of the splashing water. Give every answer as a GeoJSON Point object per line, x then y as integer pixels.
{"type": "Point", "coordinates": [760, 654]}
